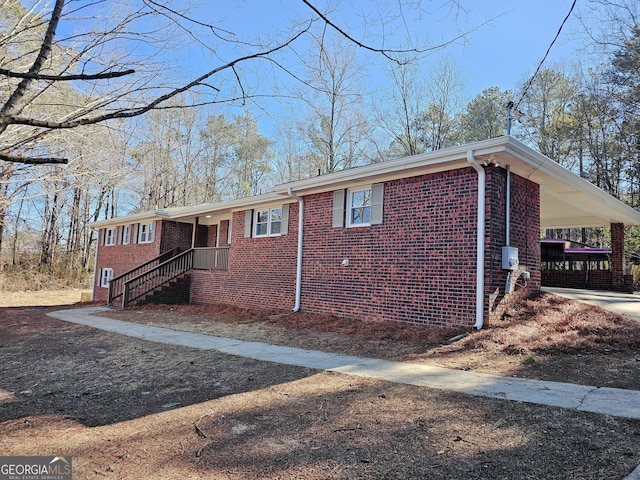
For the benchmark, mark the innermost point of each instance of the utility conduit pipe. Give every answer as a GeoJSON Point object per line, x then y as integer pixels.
{"type": "Point", "coordinates": [479, 240]}
{"type": "Point", "coordinates": [509, 286]}
{"type": "Point", "coordinates": [299, 257]}
{"type": "Point", "coordinates": [508, 213]}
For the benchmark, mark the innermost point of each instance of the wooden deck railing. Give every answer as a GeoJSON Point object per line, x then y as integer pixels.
{"type": "Point", "coordinates": [147, 282]}
{"type": "Point", "coordinates": [211, 258]}
{"type": "Point", "coordinates": [116, 285]}
{"type": "Point", "coordinates": [135, 287]}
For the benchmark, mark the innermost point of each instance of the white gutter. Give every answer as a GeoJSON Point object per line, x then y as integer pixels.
{"type": "Point", "coordinates": [299, 257]}
{"type": "Point", "coordinates": [480, 241]}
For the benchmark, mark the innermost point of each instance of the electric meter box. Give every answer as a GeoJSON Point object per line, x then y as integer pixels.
{"type": "Point", "coordinates": [510, 258]}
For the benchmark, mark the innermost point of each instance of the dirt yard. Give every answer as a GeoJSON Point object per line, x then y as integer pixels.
{"type": "Point", "coordinates": [129, 409]}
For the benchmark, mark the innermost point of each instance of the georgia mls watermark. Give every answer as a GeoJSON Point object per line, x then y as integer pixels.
{"type": "Point", "coordinates": [35, 468]}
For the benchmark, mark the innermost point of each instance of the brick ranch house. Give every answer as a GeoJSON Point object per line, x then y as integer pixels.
{"type": "Point", "coordinates": [446, 238]}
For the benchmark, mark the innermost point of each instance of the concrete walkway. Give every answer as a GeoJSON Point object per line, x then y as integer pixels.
{"type": "Point", "coordinates": [623, 303]}
{"type": "Point", "coordinates": [608, 401]}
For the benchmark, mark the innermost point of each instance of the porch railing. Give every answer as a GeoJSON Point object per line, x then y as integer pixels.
{"type": "Point", "coordinates": [211, 258]}
{"type": "Point", "coordinates": [135, 287]}
{"type": "Point", "coordinates": [116, 284]}
{"type": "Point", "coordinates": [147, 282]}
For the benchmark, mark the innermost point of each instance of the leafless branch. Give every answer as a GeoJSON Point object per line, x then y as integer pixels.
{"type": "Point", "coordinates": [129, 113]}
{"type": "Point", "coordinates": [387, 53]}
{"type": "Point", "coordinates": [33, 160]}
{"type": "Point", "coordinates": [45, 50]}
{"type": "Point", "coordinates": [62, 78]}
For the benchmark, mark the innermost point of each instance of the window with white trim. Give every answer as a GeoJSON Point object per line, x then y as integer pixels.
{"type": "Point", "coordinates": [126, 234]}
{"type": "Point", "coordinates": [106, 274]}
{"type": "Point", "coordinates": [359, 207]}
{"type": "Point", "coordinates": [267, 222]}
{"type": "Point", "coordinates": [110, 236]}
{"type": "Point", "coordinates": [145, 232]}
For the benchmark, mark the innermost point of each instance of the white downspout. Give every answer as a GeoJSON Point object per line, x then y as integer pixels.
{"type": "Point", "coordinates": [95, 266]}
{"type": "Point", "coordinates": [299, 257]}
{"type": "Point", "coordinates": [480, 241]}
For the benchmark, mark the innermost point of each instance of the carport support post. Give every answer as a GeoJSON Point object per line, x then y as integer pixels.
{"type": "Point", "coordinates": [617, 257]}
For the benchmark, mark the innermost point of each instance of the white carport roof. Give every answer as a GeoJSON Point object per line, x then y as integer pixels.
{"type": "Point", "coordinates": [566, 200]}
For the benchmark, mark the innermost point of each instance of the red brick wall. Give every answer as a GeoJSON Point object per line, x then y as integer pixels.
{"type": "Point", "coordinates": [174, 234]}
{"type": "Point", "coordinates": [589, 280]}
{"type": "Point", "coordinates": [212, 233]}
{"type": "Point", "coordinates": [224, 233]}
{"type": "Point", "coordinates": [617, 257]}
{"type": "Point", "coordinates": [418, 266]}
{"type": "Point", "coordinates": [524, 235]}
{"type": "Point", "coordinates": [123, 257]}
{"type": "Point", "coordinates": [262, 271]}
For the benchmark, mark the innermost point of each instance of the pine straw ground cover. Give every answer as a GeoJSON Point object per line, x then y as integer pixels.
{"type": "Point", "coordinates": [124, 408]}
{"type": "Point", "coordinates": [547, 337]}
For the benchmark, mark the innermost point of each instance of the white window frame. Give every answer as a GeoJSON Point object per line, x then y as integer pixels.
{"type": "Point", "coordinates": [106, 274]}
{"type": "Point", "coordinates": [126, 235]}
{"type": "Point", "coordinates": [270, 223]}
{"type": "Point", "coordinates": [350, 206]}
{"type": "Point", "coordinates": [110, 235]}
{"type": "Point", "coordinates": [146, 232]}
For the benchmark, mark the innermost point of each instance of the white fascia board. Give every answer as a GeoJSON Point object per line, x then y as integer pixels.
{"type": "Point", "coordinates": [127, 219]}
{"type": "Point", "coordinates": [430, 162]}
{"type": "Point", "coordinates": [217, 209]}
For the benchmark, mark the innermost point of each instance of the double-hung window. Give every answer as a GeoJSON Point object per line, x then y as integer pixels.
{"type": "Point", "coordinates": [267, 222]}
{"type": "Point", "coordinates": [359, 207]}
{"type": "Point", "coordinates": [145, 233]}
{"type": "Point", "coordinates": [106, 274]}
{"type": "Point", "coordinates": [110, 236]}
{"type": "Point", "coordinates": [126, 234]}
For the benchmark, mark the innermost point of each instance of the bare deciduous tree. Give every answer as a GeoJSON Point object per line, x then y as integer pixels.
{"type": "Point", "coordinates": [79, 43]}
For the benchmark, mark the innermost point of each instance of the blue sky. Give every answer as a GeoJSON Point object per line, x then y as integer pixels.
{"type": "Point", "coordinates": [506, 42]}
{"type": "Point", "coordinates": [504, 52]}
{"type": "Point", "coordinates": [500, 53]}
{"type": "Point", "coordinates": [507, 51]}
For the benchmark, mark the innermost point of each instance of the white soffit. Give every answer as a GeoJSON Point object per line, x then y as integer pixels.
{"type": "Point", "coordinates": [566, 199]}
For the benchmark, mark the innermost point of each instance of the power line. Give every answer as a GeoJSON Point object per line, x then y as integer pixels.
{"type": "Point", "coordinates": [526, 89]}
